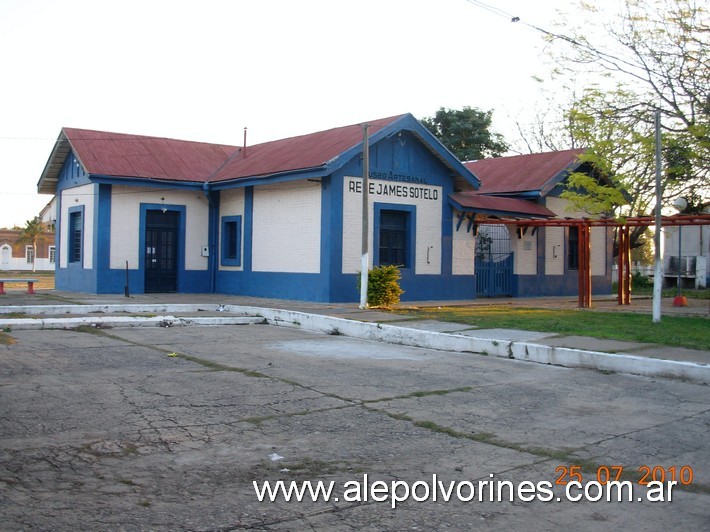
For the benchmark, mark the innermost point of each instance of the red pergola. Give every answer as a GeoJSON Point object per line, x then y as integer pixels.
{"type": "Point", "coordinates": [584, 226]}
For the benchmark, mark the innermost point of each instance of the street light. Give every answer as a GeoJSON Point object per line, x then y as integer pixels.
{"type": "Point", "coordinates": [680, 301]}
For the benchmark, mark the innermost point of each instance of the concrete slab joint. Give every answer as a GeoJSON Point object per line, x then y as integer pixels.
{"type": "Point", "coordinates": [394, 334]}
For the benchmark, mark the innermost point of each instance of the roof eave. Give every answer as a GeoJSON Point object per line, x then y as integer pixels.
{"type": "Point", "coordinates": [49, 178]}
{"type": "Point", "coordinates": [512, 215]}
{"type": "Point", "coordinates": [144, 181]}
{"type": "Point", "coordinates": [560, 176]}
{"type": "Point", "coordinates": [277, 177]}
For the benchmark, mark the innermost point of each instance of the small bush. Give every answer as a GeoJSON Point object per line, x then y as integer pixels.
{"type": "Point", "coordinates": [383, 288]}
{"type": "Point", "coordinates": [639, 280]}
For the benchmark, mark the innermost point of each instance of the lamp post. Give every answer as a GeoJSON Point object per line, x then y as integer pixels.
{"type": "Point", "coordinates": [680, 301]}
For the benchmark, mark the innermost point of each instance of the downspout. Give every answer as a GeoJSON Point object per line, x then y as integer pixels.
{"type": "Point", "coordinates": [212, 230]}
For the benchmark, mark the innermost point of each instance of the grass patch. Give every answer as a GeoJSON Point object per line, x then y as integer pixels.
{"type": "Point", "coordinates": [91, 329]}
{"type": "Point", "coordinates": [689, 332]}
{"type": "Point", "coordinates": [6, 339]}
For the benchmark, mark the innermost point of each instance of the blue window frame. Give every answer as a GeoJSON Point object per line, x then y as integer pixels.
{"type": "Point", "coordinates": [231, 254]}
{"type": "Point", "coordinates": [76, 234]}
{"type": "Point", "coordinates": [394, 235]}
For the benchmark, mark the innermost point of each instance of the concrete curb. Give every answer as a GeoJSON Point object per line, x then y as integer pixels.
{"type": "Point", "coordinates": [121, 321]}
{"type": "Point", "coordinates": [524, 351]}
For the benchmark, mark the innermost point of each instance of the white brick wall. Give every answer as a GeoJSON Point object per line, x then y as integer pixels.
{"type": "Point", "coordinates": [125, 223]}
{"type": "Point", "coordinates": [287, 227]}
{"type": "Point", "coordinates": [525, 251]}
{"type": "Point", "coordinates": [463, 246]}
{"type": "Point", "coordinates": [85, 195]}
{"type": "Point", "coordinates": [554, 250]}
{"type": "Point", "coordinates": [600, 252]}
{"type": "Point", "coordinates": [231, 203]}
{"type": "Point", "coordinates": [428, 228]}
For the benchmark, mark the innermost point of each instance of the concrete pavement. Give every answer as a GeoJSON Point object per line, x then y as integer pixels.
{"type": "Point", "coordinates": [153, 423]}
{"type": "Point", "coordinates": [169, 428]}
{"type": "Point", "coordinates": [188, 309]}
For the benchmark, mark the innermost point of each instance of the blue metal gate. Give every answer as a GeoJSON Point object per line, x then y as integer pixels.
{"type": "Point", "coordinates": [494, 278]}
{"type": "Point", "coordinates": [494, 262]}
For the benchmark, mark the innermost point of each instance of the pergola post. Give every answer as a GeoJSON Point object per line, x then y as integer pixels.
{"type": "Point", "coordinates": [585, 268]}
{"type": "Point", "coordinates": [624, 261]}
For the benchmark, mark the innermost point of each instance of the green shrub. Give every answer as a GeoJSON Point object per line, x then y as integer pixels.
{"type": "Point", "coordinates": [383, 288]}
{"type": "Point", "coordinates": [638, 280]}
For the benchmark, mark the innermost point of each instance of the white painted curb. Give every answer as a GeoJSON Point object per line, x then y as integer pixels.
{"type": "Point", "coordinates": [395, 334]}
{"type": "Point", "coordinates": [123, 321]}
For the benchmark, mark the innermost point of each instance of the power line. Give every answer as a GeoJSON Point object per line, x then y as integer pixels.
{"type": "Point", "coordinates": [604, 56]}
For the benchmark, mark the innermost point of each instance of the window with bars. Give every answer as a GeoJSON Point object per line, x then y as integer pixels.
{"type": "Point", "coordinates": [231, 240]}
{"type": "Point", "coordinates": [393, 238]}
{"type": "Point", "coordinates": [76, 228]}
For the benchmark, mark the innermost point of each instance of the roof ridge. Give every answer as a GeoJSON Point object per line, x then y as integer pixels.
{"type": "Point", "coordinates": [140, 136]}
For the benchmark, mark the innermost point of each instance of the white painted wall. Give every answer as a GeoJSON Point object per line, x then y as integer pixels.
{"type": "Point", "coordinates": [524, 250]}
{"type": "Point", "coordinates": [428, 227]}
{"type": "Point", "coordinates": [598, 240]}
{"type": "Point", "coordinates": [463, 246]}
{"type": "Point", "coordinates": [86, 195]}
{"type": "Point", "coordinates": [600, 250]}
{"type": "Point", "coordinates": [231, 203]}
{"type": "Point", "coordinates": [555, 251]}
{"type": "Point", "coordinates": [286, 229]}
{"type": "Point", "coordinates": [125, 223]}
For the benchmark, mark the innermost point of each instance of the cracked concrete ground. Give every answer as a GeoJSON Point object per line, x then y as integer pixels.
{"type": "Point", "coordinates": [166, 429]}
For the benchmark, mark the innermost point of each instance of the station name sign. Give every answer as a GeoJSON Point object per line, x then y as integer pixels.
{"type": "Point", "coordinates": [396, 190]}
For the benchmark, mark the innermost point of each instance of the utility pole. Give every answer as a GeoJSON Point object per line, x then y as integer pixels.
{"type": "Point", "coordinates": [658, 266]}
{"type": "Point", "coordinates": [365, 263]}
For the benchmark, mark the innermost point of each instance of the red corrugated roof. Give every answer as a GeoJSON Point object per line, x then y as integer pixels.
{"type": "Point", "coordinates": [296, 153]}
{"type": "Point", "coordinates": [121, 155]}
{"type": "Point", "coordinates": [521, 173]}
{"type": "Point", "coordinates": [513, 207]}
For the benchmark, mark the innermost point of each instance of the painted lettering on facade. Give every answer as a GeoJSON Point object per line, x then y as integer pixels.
{"type": "Point", "coordinates": [398, 191]}
{"type": "Point", "coordinates": [391, 176]}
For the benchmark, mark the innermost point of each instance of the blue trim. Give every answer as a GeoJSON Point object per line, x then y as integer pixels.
{"type": "Point", "coordinates": [411, 232]}
{"type": "Point", "coordinates": [182, 275]}
{"type": "Point", "coordinates": [70, 240]}
{"type": "Point", "coordinates": [145, 182]}
{"type": "Point", "coordinates": [213, 202]}
{"type": "Point", "coordinates": [236, 261]}
{"type": "Point", "coordinates": [102, 232]}
{"type": "Point", "coordinates": [72, 174]}
{"type": "Point", "coordinates": [248, 226]}
{"type": "Point", "coordinates": [330, 233]}
{"type": "Point", "coordinates": [462, 208]}
{"type": "Point", "coordinates": [281, 177]}
{"type": "Point", "coordinates": [407, 122]}
{"type": "Point", "coordinates": [58, 234]}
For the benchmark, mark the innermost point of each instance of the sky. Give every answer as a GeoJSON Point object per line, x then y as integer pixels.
{"type": "Point", "coordinates": [203, 70]}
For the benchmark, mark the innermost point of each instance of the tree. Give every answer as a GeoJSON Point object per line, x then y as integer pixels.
{"type": "Point", "coordinates": [654, 56]}
{"type": "Point", "coordinates": [31, 234]}
{"type": "Point", "coordinates": [466, 133]}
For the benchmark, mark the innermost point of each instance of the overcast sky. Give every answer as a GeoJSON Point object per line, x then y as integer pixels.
{"type": "Point", "coordinates": [203, 70]}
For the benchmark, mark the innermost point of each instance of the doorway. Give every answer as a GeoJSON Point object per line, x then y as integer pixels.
{"type": "Point", "coordinates": [161, 251]}
{"type": "Point", "coordinates": [494, 261]}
